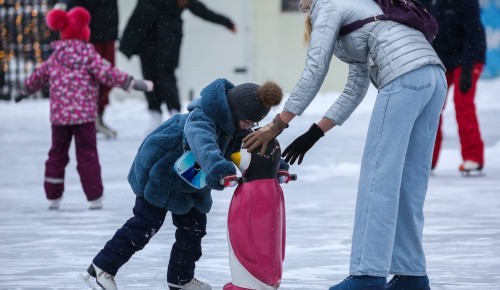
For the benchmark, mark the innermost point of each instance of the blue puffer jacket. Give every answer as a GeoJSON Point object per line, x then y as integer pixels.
{"type": "Point", "coordinates": [211, 136]}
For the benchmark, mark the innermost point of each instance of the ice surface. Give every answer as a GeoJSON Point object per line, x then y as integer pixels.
{"type": "Point", "coordinates": [42, 249]}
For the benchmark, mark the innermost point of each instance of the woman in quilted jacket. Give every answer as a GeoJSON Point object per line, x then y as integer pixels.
{"type": "Point", "coordinates": [401, 63]}
{"type": "Point", "coordinates": [74, 72]}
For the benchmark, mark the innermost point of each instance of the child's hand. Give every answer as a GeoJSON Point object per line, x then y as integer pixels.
{"type": "Point", "coordinates": [142, 85]}
{"type": "Point", "coordinates": [231, 181]}
{"type": "Point", "coordinates": [150, 86]}
{"type": "Point", "coordinates": [218, 172]}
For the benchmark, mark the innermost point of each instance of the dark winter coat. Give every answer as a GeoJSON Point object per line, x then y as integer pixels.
{"type": "Point", "coordinates": [461, 39]}
{"type": "Point", "coordinates": [103, 18]}
{"type": "Point", "coordinates": [158, 24]}
{"type": "Point", "coordinates": [211, 136]}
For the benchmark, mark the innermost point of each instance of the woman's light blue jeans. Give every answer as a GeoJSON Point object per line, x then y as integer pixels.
{"type": "Point", "coordinates": [395, 171]}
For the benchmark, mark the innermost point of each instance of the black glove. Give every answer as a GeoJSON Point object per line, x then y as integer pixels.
{"type": "Point", "coordinates": [465, 80]}
{"type": "Point", "coordinates": [21, 96]}
{"type": "Point", "coordinates": [302, 144]}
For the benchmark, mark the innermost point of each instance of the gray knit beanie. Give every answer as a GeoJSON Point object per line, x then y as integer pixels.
{"type": "Point", "coordinates": [253, 102]}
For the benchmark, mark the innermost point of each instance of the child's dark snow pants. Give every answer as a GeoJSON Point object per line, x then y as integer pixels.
{"type": "Point", "coordinates": [88, 166]}
{"type": "Point", "coordinates": [139, 229]}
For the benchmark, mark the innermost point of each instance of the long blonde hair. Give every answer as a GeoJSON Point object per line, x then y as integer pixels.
{"type": "Point", "coordinates": [307, 29]}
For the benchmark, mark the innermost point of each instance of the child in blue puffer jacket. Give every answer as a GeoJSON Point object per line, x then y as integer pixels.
{"type": "Point", "coordinates": [212, 129]}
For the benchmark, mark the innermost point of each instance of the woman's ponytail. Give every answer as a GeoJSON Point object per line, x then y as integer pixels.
{"type": "Point", "coordinates": [307, 29]}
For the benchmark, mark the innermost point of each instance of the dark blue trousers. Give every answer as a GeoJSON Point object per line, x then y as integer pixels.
{"type": "Point", "coordinates": [139, 229]}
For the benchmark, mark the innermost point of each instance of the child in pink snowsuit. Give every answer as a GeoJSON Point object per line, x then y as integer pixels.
{"type": "Point", "coordinates": [74, 72]}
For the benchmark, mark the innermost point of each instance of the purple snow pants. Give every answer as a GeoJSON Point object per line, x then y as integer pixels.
{"type": "Point", "coordinates": [88, 166]}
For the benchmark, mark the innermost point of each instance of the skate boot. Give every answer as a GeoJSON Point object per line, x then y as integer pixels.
{"type": "Point", "coordinates": [194, 284]}
{"type": "Point", "coordinates": [469, 167]}
{"type": "Point", "coordinates": [102, 128]}
{"type": "Point", "coordinates": [96, 203]}
{"type": "Point", "coordinates": [54, 203]}
{"type": "Point", "coordinates": [103, 279]}
{"type": "Point", "coordinates": [399, 282]}
{"type": "Point", "coordinates": [361, 283]}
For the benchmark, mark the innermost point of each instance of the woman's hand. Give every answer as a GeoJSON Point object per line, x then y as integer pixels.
{"type": "Point", "coordinates": [302, 144]}
{"type": "Point", "coordinates": [264, 135]}
{"type": "Point", "coordinates": [260, 137]}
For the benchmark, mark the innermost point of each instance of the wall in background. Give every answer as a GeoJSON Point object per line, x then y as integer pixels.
{"type": "Point", "coordinates": [278, 49]}
{"type": "Point", "coordinates": [268, 45]}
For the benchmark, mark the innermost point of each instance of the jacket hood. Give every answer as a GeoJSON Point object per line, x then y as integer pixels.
{"type": "Point", "coordinates": [71, 53]}
{"type": "Point", "coordinates": [213, 103]}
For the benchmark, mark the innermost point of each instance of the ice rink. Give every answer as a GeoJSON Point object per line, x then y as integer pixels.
{"type": "Point", "coordinates": [42, 249]}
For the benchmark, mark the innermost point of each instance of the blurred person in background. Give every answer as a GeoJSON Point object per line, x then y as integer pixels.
{"type": "Point", "coordinates": [74, 72]}
{"type": "Point", "coordinates": [461, 45]}
{"type": "Point", "coordinates": [154, 32]}
{"type": "Point", "coordinates": [104, 27]}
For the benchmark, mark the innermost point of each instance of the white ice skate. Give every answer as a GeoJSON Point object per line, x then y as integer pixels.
{"type": "Point", "coordinates": [104, 280]}
{"type": "Point", "coordinates": [470, 167]}
{"type": "Point", "coordinates": [54, 203]}
{"type": "Point", "coordinates": [96, 203]}
{"type": "Point", "coordinates": [194, 284]}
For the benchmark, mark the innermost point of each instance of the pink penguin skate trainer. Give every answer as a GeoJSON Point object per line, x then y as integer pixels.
{"type": "Point", "coordinates": [256, 222]}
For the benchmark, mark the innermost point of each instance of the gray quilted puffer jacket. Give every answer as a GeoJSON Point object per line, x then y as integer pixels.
{"type": "Point", "coordinates": [379, 51]}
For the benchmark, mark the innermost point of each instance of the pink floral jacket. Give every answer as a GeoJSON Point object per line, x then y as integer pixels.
{"type": "Point", "coordinates": [74, 72]}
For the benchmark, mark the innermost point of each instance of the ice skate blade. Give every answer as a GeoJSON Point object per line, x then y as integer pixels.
{"type": "Point", "coordinates": [108, 136]}
{"type": "Point", "coordinates": [86, 278]}
{"type": "Point", "coordinates": [472, 173]}
{"type": "Point", "coordinates": [107, 133]}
